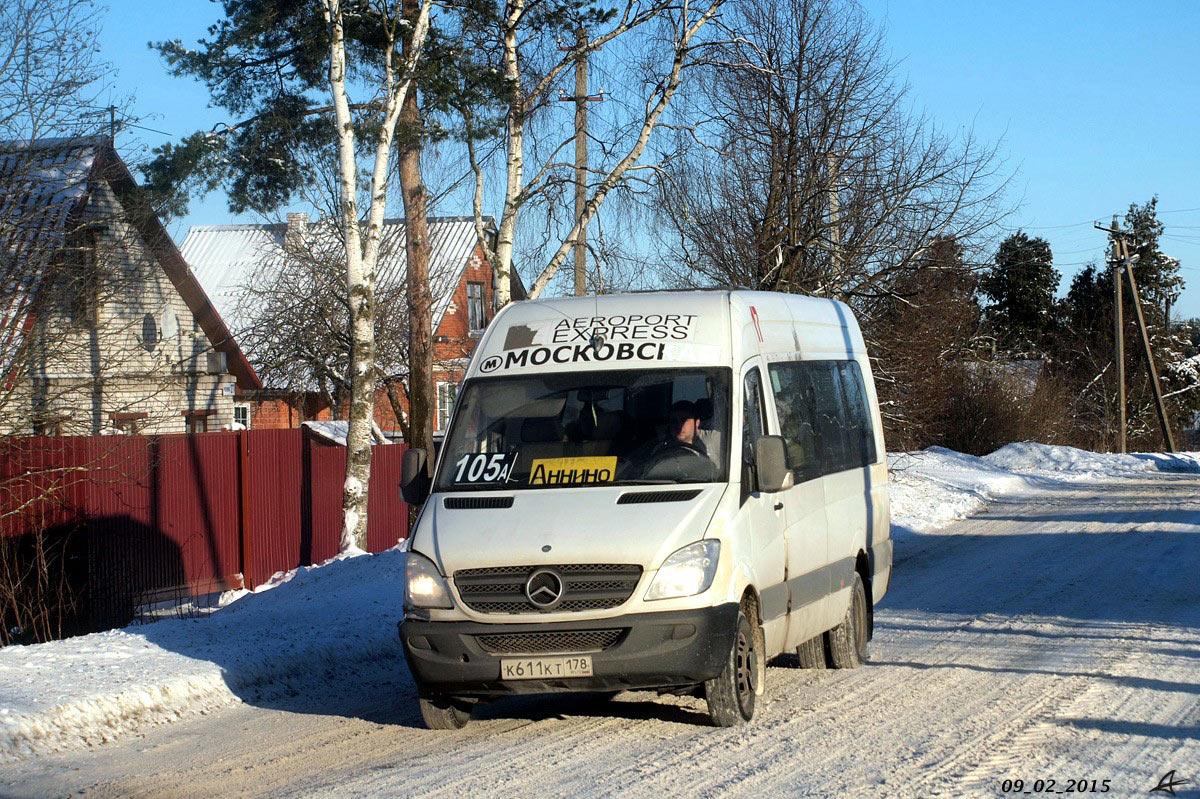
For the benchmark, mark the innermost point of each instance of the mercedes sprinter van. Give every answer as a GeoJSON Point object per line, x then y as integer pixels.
{"type": "Point", "coordinates": [656, 491]}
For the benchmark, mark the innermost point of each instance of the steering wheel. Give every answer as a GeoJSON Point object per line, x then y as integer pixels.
{"type": "Point", "coordinates": [681, 462]}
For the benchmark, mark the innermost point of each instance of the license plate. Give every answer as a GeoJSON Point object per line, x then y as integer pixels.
{"type": "Point", "coordinates": [545, 668]}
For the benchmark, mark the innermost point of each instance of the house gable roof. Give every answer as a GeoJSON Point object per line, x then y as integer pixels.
{"type": "Point", "coordinates": [44, 186]}
{"type": "Point", "coordinates": [225, 258]}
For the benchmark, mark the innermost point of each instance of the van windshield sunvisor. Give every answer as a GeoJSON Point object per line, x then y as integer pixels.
{"type": "Point", "coordinates": [557, 430]}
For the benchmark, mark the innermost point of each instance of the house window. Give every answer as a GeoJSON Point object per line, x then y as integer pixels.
{"type": "Point", "coordinates": [476, 317]}
{"type": "Point", "coordinates": [50, 425]}
{"type": "Point", "coordinates": [241, 415]}
{"type": "Point", "coordinates": [196, 421]}
{"type": "Point", "coordinates": [80, 288]}
{"type": "Point", "coordinates": [149, 332]}
{"type": "Point", "coordinates": [129, 424]}
{"type": "Point", "coordinates": [445, 403]}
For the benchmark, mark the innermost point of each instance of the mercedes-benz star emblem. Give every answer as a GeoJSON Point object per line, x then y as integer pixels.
{"type": "Point", "coordinates": [544, 588]}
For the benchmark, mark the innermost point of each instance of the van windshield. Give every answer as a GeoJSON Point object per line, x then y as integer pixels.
{"type": "Point", "coordinates": [590, 428]}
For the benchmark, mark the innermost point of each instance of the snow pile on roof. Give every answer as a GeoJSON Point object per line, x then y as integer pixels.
{"type": "Point", "coordinates": [336, 431]}
{"type": "Point", "coordinates": [92, 688]}
{"type": "Point", "coordinates": [1079, 464]}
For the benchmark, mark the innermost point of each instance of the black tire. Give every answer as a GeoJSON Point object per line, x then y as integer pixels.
{"type": "Point", "coordinates": [731, 694]}
{"type": "Point", "coordinates": [848, 641]}
{"type": "Point", "coordinates": [811, 653]}
{"type": "Point", "coordinates": [444, 714]}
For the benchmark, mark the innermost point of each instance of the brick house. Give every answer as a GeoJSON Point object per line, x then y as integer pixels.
{"type": "Point", "coordinates": [225, 258]}
{"type": "Point", "coordinates": [103, 329]}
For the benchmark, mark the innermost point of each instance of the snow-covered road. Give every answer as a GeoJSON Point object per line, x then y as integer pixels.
{"type": "Point", "coordinates": [1055, 636]}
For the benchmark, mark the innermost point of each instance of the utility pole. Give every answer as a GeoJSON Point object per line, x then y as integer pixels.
{"type": "Point", "coordinates": [1160, 405]}
{"type": "Point", "coordinates": [1118, 330]}
{"type": "Point", "coordinates": [1122, 264]}
{"type": "Point", "coordinates": [581, 99]}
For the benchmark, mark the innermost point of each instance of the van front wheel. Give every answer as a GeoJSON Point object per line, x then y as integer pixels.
{"type": "Point", "coordinates": [731, 693]}
{"type": "Point", "coordinates": [444, 714]}
{"type": "Point", "coordinates": [848, 641]}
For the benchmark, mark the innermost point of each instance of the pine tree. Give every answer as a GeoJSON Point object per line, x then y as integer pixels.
{"type": "Point", "coordinates": [1020, 288]}
{"type": "Point", "coordinates": [1157, 273]}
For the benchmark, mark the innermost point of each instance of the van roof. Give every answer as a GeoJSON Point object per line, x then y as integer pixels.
{"type": "Point", "coordinates": [663, 328]}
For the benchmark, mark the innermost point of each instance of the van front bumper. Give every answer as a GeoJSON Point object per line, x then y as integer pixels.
{"type": "Point", "coordinates": [671, 649]}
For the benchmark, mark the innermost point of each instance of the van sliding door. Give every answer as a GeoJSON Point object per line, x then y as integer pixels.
{"type": "Point", "coordinates": [850, 451]}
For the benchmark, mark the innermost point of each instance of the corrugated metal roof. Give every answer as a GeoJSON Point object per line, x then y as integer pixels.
{"type": "Point", "coordinates": [42, 184]}
{"type": "Point", "coordinates": [226, 258]}
{"type": "Point", "coordinates": [45, 185]}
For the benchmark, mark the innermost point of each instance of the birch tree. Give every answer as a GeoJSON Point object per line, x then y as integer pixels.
{"type": "Point", "coordinates": [517, 30]}
{"type": "Point", "coordinates": [362, 240]}
{"type": "Point", "coordinates": [318, 75]}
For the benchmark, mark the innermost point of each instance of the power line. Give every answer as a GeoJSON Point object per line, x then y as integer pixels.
{"type": "Point", "coordinates": [152, 130]}
{"type": "Point", "coordinates": [1093, 219]}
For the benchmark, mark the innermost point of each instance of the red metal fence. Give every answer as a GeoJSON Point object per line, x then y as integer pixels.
{"type": "Point", "coordinates": [133, 520]}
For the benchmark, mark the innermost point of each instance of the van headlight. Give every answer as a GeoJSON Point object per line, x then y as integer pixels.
{"type": "Point", "coordinates": [688, 571]}
{"type": "Point", "coordinates": [424, 585]}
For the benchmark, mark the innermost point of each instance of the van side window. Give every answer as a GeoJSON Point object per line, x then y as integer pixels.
{"type": "Point", "coordinates": [829, 414]}
{"type": "Point", "coordinates": [752, 415]}
{"type": "Point", "coordinates": [823, 416]}
{"type": "Point", "coordinates": [862, 437]}
{"type": "Point", "coordinates": [792, 386]}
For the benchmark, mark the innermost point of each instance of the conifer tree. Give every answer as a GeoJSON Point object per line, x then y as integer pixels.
{"type": "Point", "coordinates": [1020, 287]}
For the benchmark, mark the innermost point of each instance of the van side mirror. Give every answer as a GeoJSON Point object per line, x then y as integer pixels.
{"type": "Point", "coordinates": [770, 461]}
{"type": "Point", "coordinates": [414, 476]}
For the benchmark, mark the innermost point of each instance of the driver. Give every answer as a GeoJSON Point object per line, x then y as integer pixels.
{"type": "Point", "coordinates": [683, 425]}
{"type": "Point", "coordinates": [682, 455]}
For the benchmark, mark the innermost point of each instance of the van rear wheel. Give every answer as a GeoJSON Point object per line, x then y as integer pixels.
{"type": "Point", "coordinates": [444, 714]}
{"type": "Point", "coordinates": [811, 653]}
{"type": "Point", "coordinates": [731, 693]}
{"type": "Point", "coordinates": [848, 641]}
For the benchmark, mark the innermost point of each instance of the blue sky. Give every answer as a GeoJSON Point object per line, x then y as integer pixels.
{"type": "Point", "coordinates": [1097, 104]}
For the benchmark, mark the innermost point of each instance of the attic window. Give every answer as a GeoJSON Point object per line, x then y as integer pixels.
{"type": "Point", "coordinates": [476, 319]}
{"type": "Point", "coordinates": [149, 332]}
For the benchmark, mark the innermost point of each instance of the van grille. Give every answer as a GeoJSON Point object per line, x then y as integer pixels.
{"type": "Point", "coordinates": [586, 586]}
{"type": "Point", "coordinates": [542, 643]}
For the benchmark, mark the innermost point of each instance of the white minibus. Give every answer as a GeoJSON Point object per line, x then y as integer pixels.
{"type": "Point", "coordinates": [657, 491]}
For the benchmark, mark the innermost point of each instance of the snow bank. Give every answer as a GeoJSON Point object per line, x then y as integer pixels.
{"type": "Point", "coordinates": [1078, 464]}
{"type": "Point", "coordinates": [93, 688]}
{"type": "Point", "coordinates": [931, 488]}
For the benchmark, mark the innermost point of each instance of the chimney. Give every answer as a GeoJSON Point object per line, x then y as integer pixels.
{"type": "Point", "coordinates": [294, 235]}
